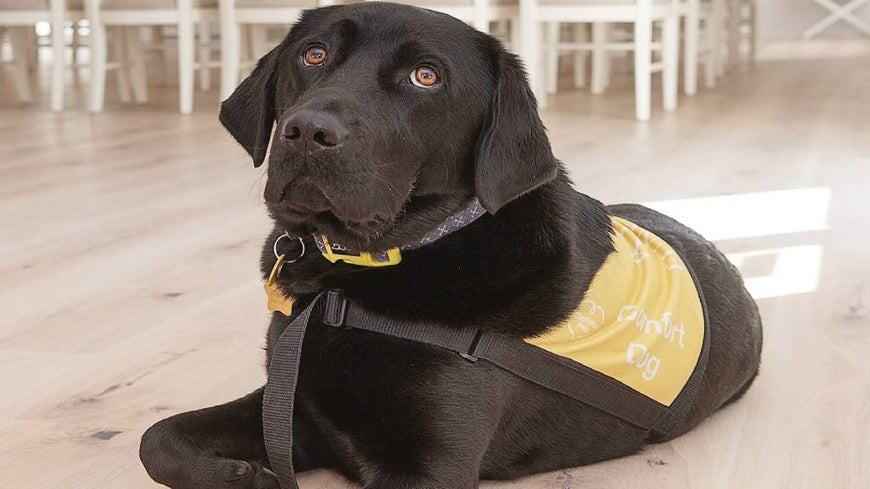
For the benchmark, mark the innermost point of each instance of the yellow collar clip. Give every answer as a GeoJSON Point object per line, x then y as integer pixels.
{"type": "Point", "coordinates": [335, 253]}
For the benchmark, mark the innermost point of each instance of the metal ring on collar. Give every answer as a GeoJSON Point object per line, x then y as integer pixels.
{"type": "Point", "coordinates": [287, 235]}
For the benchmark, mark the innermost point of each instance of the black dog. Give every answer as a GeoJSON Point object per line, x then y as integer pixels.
{"type": "Point", "coordinates": [388, 119]}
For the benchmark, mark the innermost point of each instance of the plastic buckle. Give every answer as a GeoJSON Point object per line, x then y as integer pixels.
{"type": "Point", "coordinates": [335, 310]}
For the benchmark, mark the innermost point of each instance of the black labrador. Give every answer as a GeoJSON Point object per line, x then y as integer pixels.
{"type": "Point", "coordinates": [388, 119]}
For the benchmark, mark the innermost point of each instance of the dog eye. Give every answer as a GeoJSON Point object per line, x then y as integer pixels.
{"type": "Point", "coordinates": [424, 77]}
{"type": "Point", "coordinates": [314, 56]}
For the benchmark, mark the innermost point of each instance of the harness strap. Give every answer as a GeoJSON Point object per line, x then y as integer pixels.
{"type": "Point", "coordinates": [523, 360]}
{"type": "Point", "coordinates": [279, 395]}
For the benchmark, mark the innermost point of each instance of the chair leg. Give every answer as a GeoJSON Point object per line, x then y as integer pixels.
{"type": "Point", "coordinates": [643, 65]}
{"type": "Point", "coordinates": [98, 47]}
{"type": "Point", "coordinates": [186, 65]}
{"type": "Point", "coordinates": [734, 21]}
{"type": "Point", "coordinates": [691, 46]}
{"type": "Point", "coordinates": [539, 63]}
{"type": "Point", "coordinates": [715, 24]}
{"type": "Point", "coordinates": [259, 40]}
{"type": "Point", "coordinates": [481, 24]}
{"type": "Point", "coordinates": [551, 52]}
{"type": "Point", "coordinates": [671, 61]}
{"type": "Point", "coordinates": [530, 40]}
{"type": "Point", "coordinates": [18, 38]}
{"type": "Point", "coordinates": [721, 31]}
{"type": "Point", "coordinates": [502, 29]}
{"type": "Point", "coordinates": [32, 51]}
{"type": "Point", "coordinates": [580, 35]}
{"type": "Point", "coordinates": [118, 47]}
{"type": "Point", "coordinates": [58, 48]}
{"type": "Point", "coordinates": [136, 61]}
{"type": "Point", "coordinates": [600, 58]}
{"type": "Point", "coordinates": [515, 34]}
{"type": "Point", "coordinates": [245, 42]}
{"type": "Point", "coordinates": [74, 58]}
{"type": "Point", "coordinates": [753, 26]}
{"type": "Point", "coordinates": [710, 64]}
{"type": "Point", "coordinates": [204, 28]}
{"type": "Point", "coordinates": [158, 40]}
{"type": "Point", "coordinates": [231, 45]}
{"type": "Point", "coordinates": [480, 18]}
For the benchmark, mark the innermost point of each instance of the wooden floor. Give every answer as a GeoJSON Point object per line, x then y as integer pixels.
{"type": "Point", "coordinates": [129, 245]}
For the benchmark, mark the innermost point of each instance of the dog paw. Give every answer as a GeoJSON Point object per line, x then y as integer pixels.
{"type": "Point", "coordinates": [239, 474]}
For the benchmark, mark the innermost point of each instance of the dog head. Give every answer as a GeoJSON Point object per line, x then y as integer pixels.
{"type": "Point", "coordinates": [387, 119]}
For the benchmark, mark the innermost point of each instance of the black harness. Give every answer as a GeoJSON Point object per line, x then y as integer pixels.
{"type": "Point", "coordinates": [510, 353]}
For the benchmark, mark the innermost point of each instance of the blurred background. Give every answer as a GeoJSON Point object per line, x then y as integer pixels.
{"type": "Point", "coordinates": [131, 223]}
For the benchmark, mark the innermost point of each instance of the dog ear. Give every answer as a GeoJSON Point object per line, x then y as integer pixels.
{"type": "Point", "coordinates": [514, 155]}
{"type": "Point", "coordinates": [248, 114]}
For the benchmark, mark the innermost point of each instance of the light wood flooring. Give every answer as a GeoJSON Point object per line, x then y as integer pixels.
{"type": "Point", "coordinates": [129, 290]}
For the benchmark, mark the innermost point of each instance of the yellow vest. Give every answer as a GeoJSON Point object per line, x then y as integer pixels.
{"type": "Point", "coordinates": [641, 322]}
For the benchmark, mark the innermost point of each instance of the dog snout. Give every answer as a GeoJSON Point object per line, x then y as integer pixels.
{"type": "Point", "coordinates": [309, 132]}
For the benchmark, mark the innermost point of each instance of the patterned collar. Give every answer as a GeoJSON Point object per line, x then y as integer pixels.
{"type": "Point", "coordinates": [337, 252]}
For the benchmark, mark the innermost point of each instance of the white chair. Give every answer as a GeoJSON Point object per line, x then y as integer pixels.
{"type": "Point", "coordinates": [183, 14]}
{"type": "Point", "coordinates": [255, 14]}
{"type": "Point", "coordinates": [478, 13]}
{"type": "Point", "coordinates": [22, 14]}
{"type": "Point", "coordinates": [704, 21]}
{"type": "Point", "coordinates": [641, 13]}
{"type": "Point", "coordinates": [584, 38]}
{"type": "Point", "coordinates": [554, 38]}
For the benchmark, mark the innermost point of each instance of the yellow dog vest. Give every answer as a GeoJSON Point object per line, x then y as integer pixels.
{"type": "Point", "coordinates": [642, 320]}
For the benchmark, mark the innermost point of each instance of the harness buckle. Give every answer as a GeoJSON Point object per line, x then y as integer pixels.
{"type": "Point", "coordinates": [335, 309]}
{"type": "Point", "coordinates": [472, 348]}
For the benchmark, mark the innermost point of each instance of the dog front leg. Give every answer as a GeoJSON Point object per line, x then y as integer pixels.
{"type": "Point", "coordinates": [220, 447]}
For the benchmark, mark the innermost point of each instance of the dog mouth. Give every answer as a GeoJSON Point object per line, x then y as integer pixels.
{"type": "Point", "coordinates": [305, 197]}
{"type": "Point", "coordinates": [304, 206]}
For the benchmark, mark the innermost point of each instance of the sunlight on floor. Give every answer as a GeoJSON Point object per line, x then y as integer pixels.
{"type": "Point", "coordinates": [752, 214]}
{"type": "Point", "coordinates": [769, 272]}
{"type": "Point", "coordinates": [795, 270]}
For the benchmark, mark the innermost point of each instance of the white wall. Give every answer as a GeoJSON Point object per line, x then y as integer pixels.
{"type": "Point", "coordinates": [786, 19]}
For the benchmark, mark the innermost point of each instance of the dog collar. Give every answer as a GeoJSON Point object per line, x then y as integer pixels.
{"type": "Point", "coordinates": [279, 302]}
{"type": "Point", "coordinates": [335, 252]}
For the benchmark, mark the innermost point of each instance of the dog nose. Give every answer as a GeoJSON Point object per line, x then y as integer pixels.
{"type": "Point", "coordinates": [310, 132]}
